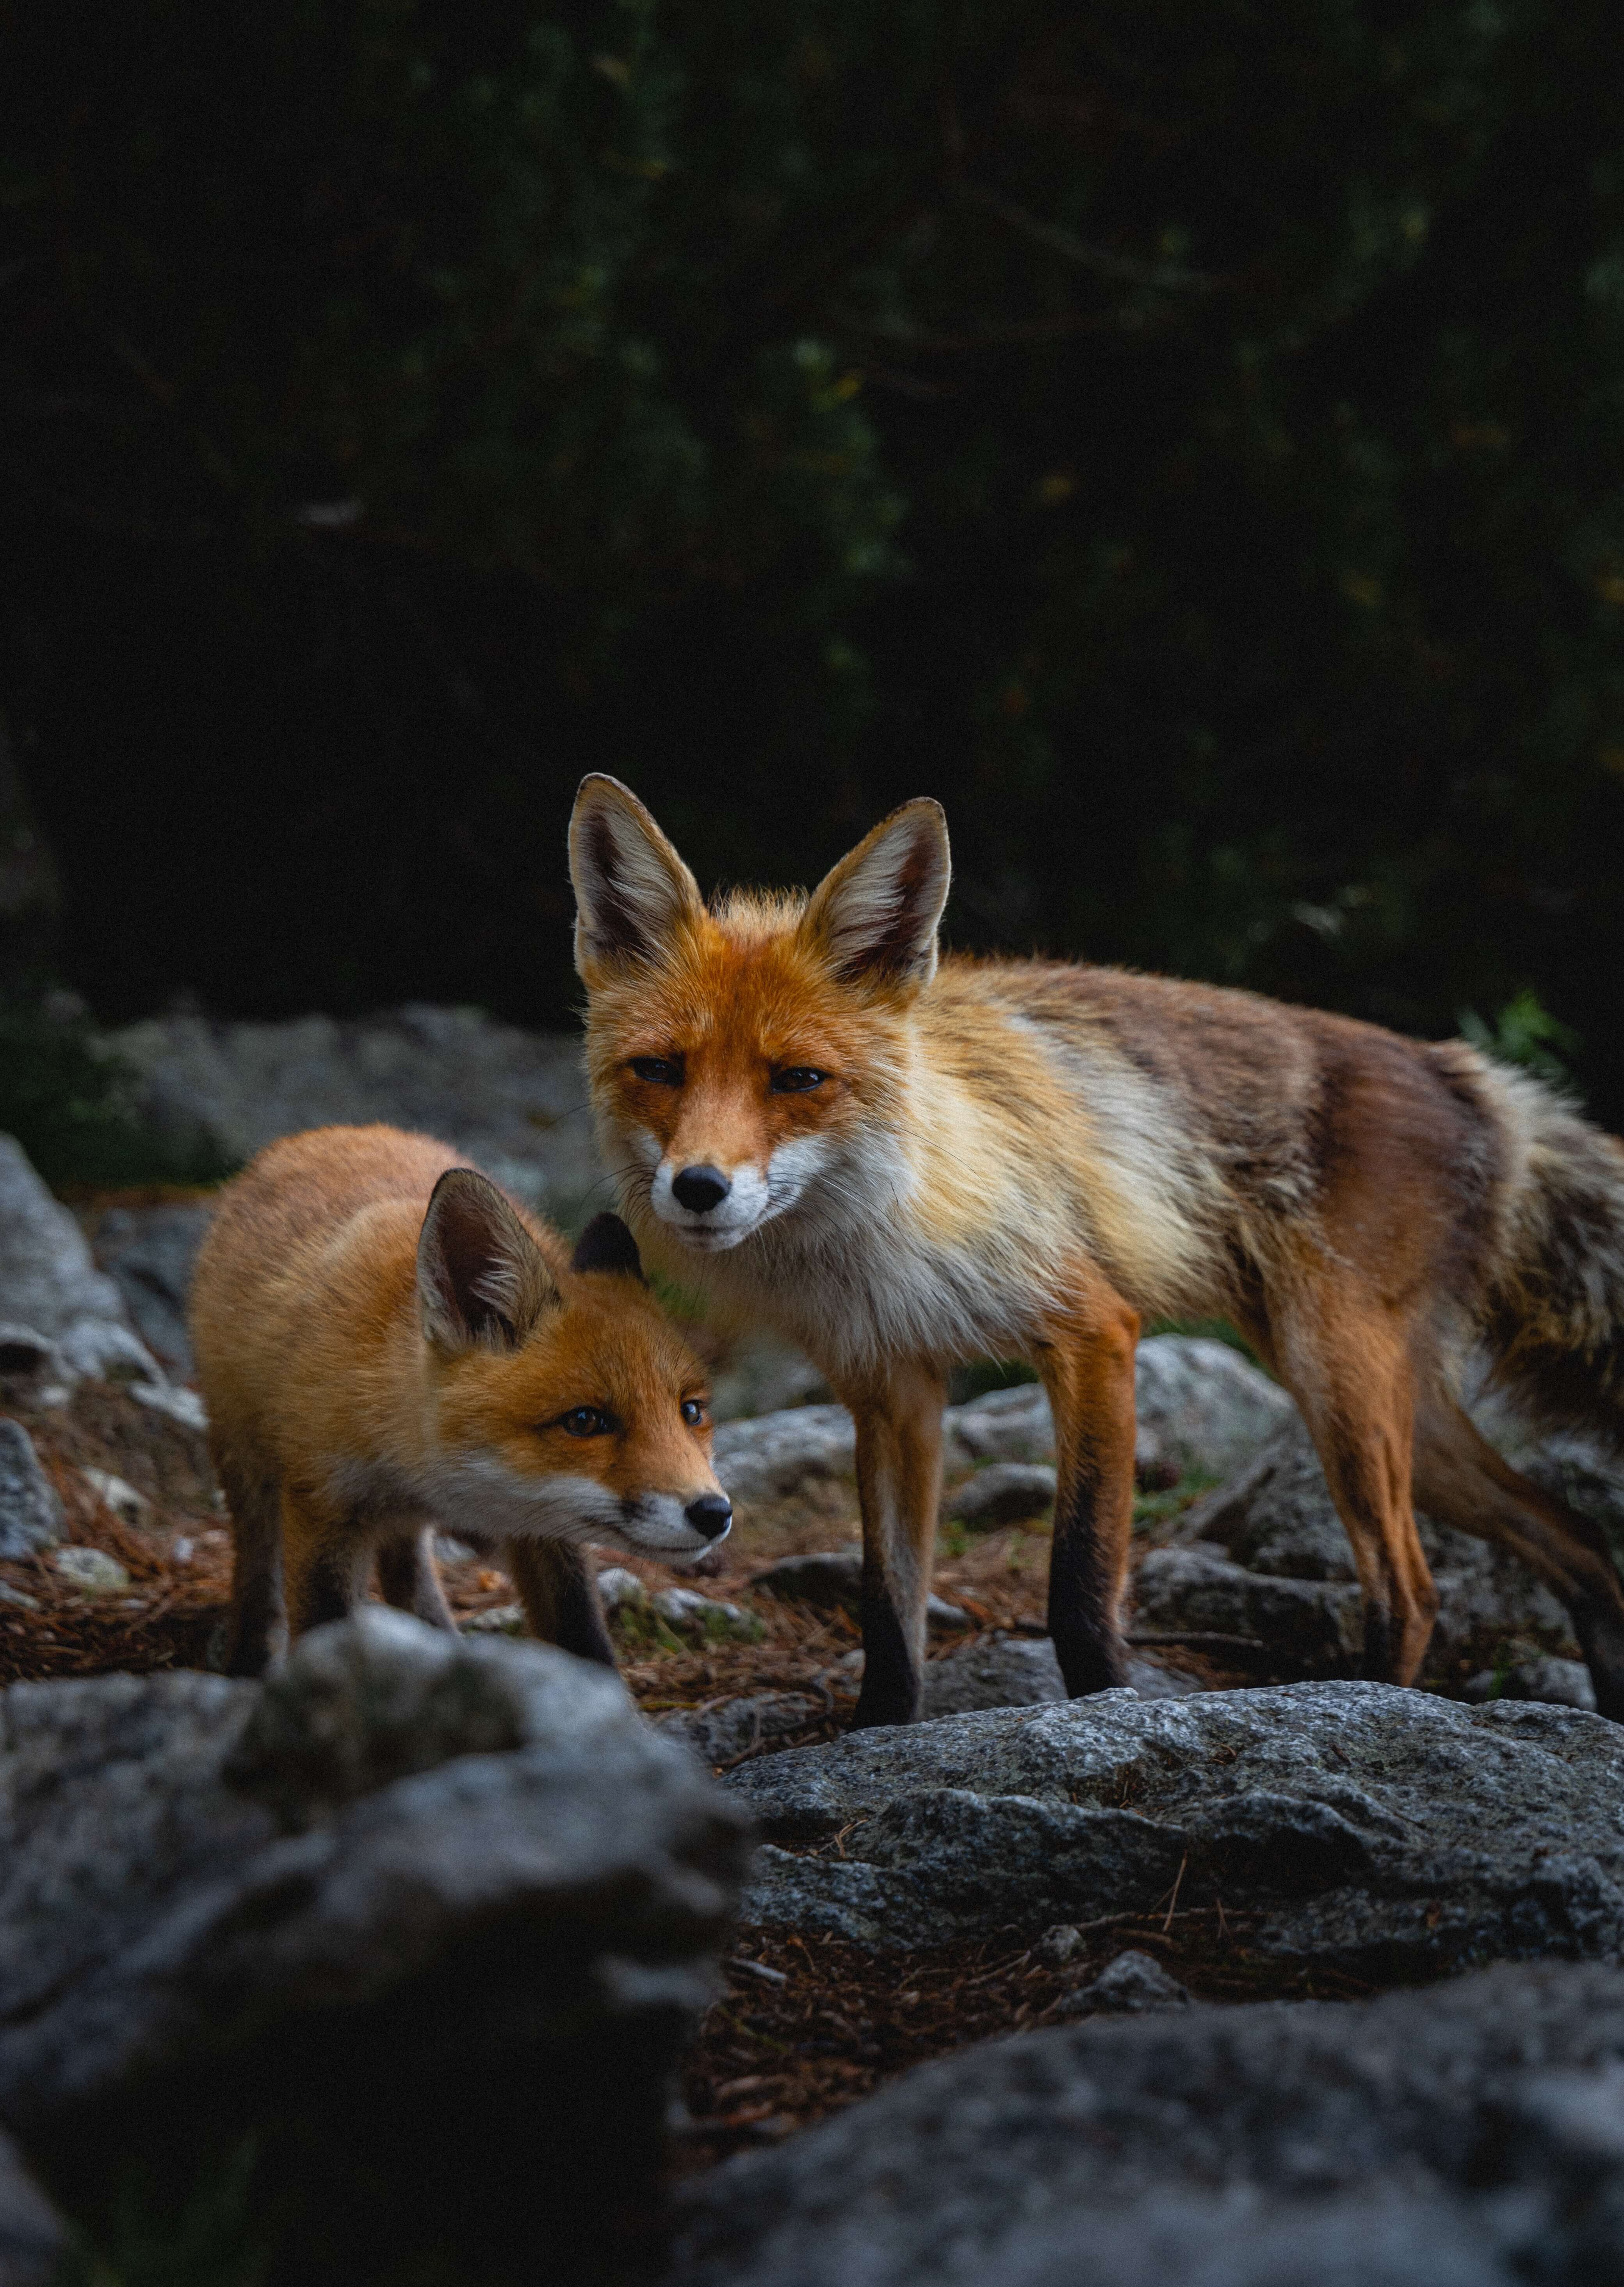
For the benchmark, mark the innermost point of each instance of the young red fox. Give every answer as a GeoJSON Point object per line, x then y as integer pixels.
{"type": "Point", "coordinates": [901, 1165]}
{"type": "Point", "coordinates": [385, 1344]}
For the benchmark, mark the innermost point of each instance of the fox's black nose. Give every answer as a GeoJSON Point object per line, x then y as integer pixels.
{"type": "Point", "coordinates": [700, 1189]}
{"type": "Point", "coordinates": [711, 1513]}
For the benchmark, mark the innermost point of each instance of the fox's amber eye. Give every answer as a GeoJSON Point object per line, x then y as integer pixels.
{"type": "Point", "coordinates": [796, 1080]}
{"type": "Point", "coordinates": [585, 1422]}
{"type": "Point", "coordinates": [662, 1071]}
{"type": "Point", "coordinates": [693, 1413]}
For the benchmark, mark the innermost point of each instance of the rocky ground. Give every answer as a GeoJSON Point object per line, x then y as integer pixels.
{"type": "Point", "coordinates": [413, 1876]}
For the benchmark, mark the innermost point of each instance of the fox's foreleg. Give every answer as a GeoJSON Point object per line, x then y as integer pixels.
{"type": "Point", "coordinates": [899, 1419]}
{"type": "Point", "coordinates": [325, 1563]}
{"type": "Point", "coordinates": [1087, 1363]}
{"type": "Point", "coordinates": [257, 1634]}
{"type": "Point", "coordinates": [409, 1578]}
{"type": "Point", "coordinates": [559, 1589]}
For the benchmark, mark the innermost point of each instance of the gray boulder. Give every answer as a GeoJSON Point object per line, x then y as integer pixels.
{"type": "Point", "coordinates": [1005, 1492]}
{"type": "Point", "coordinates": [1363, 1827]}
{"type": "Point", "coordinates": [771, 1457]}
{"type": "Point", "coordinates": [148, 1253]}
{"type": "Point", "coordinates": [1268, 1557]}
{"type": "Point", "coordinates": [1469, 2136]}
{"type": "Point", "coordinates": [515, 1101]}
{"type": "Point", "coordinates": [30, 1513]}
{"type": "Point", "coordinates": [833, 1580]}
{"type": "Point", "coordinates": [49, 1284]}
{"type": "Point", "coordinates": [1022, 1671]}
{"type": "Point", "coordinates": [1201, 1407]}
{"type": "Point", "coordinates": [420, 1913]}
{"type": "Point", "coordinates": [746, 1726]}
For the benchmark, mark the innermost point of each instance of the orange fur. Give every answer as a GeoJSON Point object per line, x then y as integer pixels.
{"type": "Point", "coordinates": [385, 1346]}
{"type": "Point", "coordinates": [902, 1163]}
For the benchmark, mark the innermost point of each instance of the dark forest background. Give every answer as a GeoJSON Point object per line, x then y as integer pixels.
{"type": "Point", "coordinates": [1186, 436]}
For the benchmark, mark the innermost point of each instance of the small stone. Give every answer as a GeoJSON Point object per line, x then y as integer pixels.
{"type": "Point", "coordinates": [1005, 1492]}
{"type": "Point", "coordinates": [1059, 1944]}
{"type": "Point", "coordinates": [182, 1405]}
{"type": "Point", "coordinates": [622, 1591]}
{"type": "Point", "coordinates": [831, 1580]}
{"type": "Point", "coordinates": [30, 1513]}
{"type": "Point", "coordinates": [691, 1614]}
{"type": "Point", "coordinates": [122, 1498]}
{"type": "Point", "coordinates": [91, 1570]}
{"type": "Point", "coordinates": [1131, 1986]}
{"type": "Point", "coordinates": [1558, 1683]}
{"type": "Point", "coordinates": [447, 1551]}
{"type": "Point", "coordinates": [498, 1620]}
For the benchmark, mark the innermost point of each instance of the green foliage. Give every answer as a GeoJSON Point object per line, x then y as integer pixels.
{"type": "Point", "coordinates": [70, 1103]}
{"type": "Point", "coordinates": [1525, 1033]}
{"type": "Point", "coordinates": [213, 2240]}
{"type": "Point", "coordinates": [1183, 436]}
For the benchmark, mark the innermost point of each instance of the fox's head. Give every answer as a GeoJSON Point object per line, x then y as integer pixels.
{"type": "Point", "coordinates": [565, 1406]}
{"type": "Point", "coordinates": [740, 1056]}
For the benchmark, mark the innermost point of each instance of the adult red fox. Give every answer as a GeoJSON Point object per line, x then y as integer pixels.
{"type": "Point", "coordinates": [902, 1163]}
{"type": "Point", "coordinates": [385, 1344]}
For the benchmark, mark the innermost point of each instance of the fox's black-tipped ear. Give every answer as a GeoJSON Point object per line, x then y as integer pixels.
{"type": "Point", "coordinates": [482, 1281]}
{"type": "Point", "coordinates": [875, 917]}
{"type": "Point", "coordinates": [606, 1244]}
{"type": "Point", "coordinates": [632, 890]}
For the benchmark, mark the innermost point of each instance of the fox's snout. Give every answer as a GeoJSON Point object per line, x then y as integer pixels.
{"type": "Point", "coordinates": [712, 1514]}
{"type": "Point", "coordinates": [700, 1189]}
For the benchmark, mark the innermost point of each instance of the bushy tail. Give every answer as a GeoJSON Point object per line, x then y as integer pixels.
{"type": "Point", "coordinates": [1553, 1310]}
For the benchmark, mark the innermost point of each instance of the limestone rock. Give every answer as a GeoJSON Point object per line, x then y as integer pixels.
{"type": "Point", "coordinates": [1005, 1492]}
{"type": "Point", "coordinates": [1471, 2135]}
{"type": "Point", "coordinates": [91, 1570]}
{"type": "Point", "coordinates": [1133, 1985]}
{"type": "Point", "coordinates": [514, 1101]}
{"type": "Point", "coordinates": [421, 1913]}
{"type": "Point", "coordinates": [30, 1513]}
{"type": "Point", "coordinates": [49, 1284]}
{"type": "Point", "coordinates": [1364, 1825]}
{"type": "Point", "coordinates": [1267, 1556]}
{"type": "Point", "coordinates": [833, 1580]}
{"type": "Point", "coordinates": [148, 1253]}
{"type": "Point", "coordinates": [704, 1617]}
{"type": "Point", "coordinates": [771, 1457]}
{"type": "Point", "coordinates": [1201, 1407]}
{"type": "Point", "coordinates": [743, 1727]}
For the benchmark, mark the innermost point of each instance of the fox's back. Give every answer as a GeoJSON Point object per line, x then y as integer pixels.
{"type": "Point", "coordinates": [312, 1249]}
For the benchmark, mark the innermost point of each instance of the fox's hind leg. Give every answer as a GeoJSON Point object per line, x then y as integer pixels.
{"type": "Point", "coordinates": [1088, 1367]}
{"type": "Point", "coordinates": [1461, 1481]}
{"type": "Point", "coordinates": [1350, 1370]}
{"type": "Point", "coordinates": [257, 1633]}
{"type": "Point", "coordinates": [899, 1486]}
{"type": "Point", "coordinates": [559, 1592]}
{"type": "Point", "coordinates": [409, 1578]}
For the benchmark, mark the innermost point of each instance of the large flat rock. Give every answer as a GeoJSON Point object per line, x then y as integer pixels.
{"type": "Point", "coordinates": [1367, 1827]}
{"type": "Point", "coordinates": [417, 1913]}
{"type": "Point", "coordinates": [1469, 2136]}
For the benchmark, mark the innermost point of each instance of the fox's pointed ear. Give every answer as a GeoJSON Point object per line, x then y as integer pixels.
{"type": "Point", "coordinates": [632, 890]}
{"type": "Point", "coordinates": [606, 1244]}
{"type": "Point", "coordinates": [482, 1281]}
{"type": "Point", "coordinates": [875, 916]}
